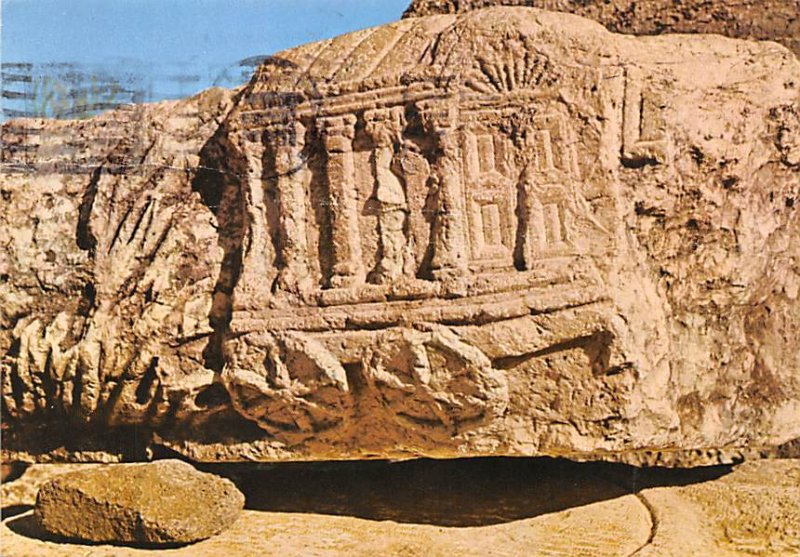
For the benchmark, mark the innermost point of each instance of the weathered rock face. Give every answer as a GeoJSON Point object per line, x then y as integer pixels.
{"type": "Point", "coordinates": [108, 263]}
{"type": "Point", "coordinates": [502, 232]}
{"type": "Point", "coordinates": [773, 20]}
{"type": "Point", "coordinates": [161, 503]}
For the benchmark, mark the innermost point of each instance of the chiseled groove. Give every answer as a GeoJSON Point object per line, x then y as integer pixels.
{"type": "Point", "coordinates": [331, 68]}
{"type": "Point", "coordinates": [399, 33]}
{"type": "Point", "coordinates": [508, 362]}
{"type": "Point", "coordinates": [304, 72]}
{"type": "Point", "coordinates": [343, 63]}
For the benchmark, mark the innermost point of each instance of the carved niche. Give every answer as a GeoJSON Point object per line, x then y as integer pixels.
{"type": "Point", "coordinates": [644, 129]}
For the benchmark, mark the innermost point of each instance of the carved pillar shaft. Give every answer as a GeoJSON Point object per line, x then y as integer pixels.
{"type": "Point", "coordinates": [449, 233]}
{"type": "Point", "coordinates": [385, 127]}
{"type": "Point", "coordinates": [257, 253]}
{"type": "Point", "coordinates": [286, 143]}
{"type": "Point", "coordinates": [337, 136]}
{"type": "Point", "coordinates": [530, 210]}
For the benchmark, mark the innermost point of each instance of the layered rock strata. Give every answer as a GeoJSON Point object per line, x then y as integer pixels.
{"type": "Point", "coordinates": [770, 20]}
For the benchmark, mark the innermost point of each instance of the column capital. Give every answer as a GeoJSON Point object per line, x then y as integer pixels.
{"type": "Point", "coordinates": [385, 125]}
{"type": "Point", "coordinates": [438, 115]}
{"type": "Point", "coordinates": [286, 134]}
{"type": "Point", "coordinates": [337, 132]}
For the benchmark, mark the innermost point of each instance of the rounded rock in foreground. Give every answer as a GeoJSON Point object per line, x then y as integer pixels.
{"type": "Point", "coordinates": [160, 503]}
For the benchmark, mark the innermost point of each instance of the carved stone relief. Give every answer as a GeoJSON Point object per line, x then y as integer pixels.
{"type": "Point", "coordinates": [433, 383]}
{"type": "Point", "coordinates": [289, 385]}
{"type": "Point", "coordinates": [644, 133]}
{"type": "Point", "coordinates": [495, 233]}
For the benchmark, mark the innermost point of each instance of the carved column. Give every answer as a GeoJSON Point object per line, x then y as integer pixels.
{"type": "Point", "coordinates": [337, 134]}
{"type": "Point", "coordinates": [257, 252]}
{"type": "Point", "coordinates": [449, 231]}
{"type": "Point", "coordinates": [531, 232]}
{"type": "Point", "coordinates": [385, 127]}
{"type": "Point", "coordinates": [286, 141]}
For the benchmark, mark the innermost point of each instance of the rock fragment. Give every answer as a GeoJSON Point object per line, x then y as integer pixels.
{"type": "Point", "coordinates": [161, 503]}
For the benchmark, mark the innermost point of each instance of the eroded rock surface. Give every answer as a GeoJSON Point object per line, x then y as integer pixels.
{"type": "Point", "coordinates": [771, 20]}
{"type": "Point", "coordinates": [506, 231]}
{"type": "Point", "coordinates": [166, 502]}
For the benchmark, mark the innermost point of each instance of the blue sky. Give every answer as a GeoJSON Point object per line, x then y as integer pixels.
{"type": "Point", "coordinates": [157, 49]}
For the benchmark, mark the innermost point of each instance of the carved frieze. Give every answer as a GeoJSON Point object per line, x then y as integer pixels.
{"type": "Point", "coordinates": [433, 383]}
{"type": "Point", "coordinates": [288, 384]}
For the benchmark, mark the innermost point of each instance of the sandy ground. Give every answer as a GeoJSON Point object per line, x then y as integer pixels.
{"type": "Point", "coordinates": [480, 507]}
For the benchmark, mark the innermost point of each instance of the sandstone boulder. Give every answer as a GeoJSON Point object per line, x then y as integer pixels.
{"type": "Point", "coordinates": [161, 503]}
{"type": "Point", "coordinates": [501, 232]}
